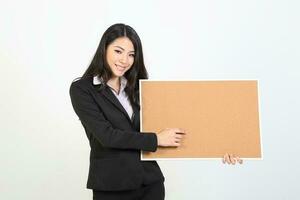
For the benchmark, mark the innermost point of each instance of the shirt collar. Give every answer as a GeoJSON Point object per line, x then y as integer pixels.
{"type": "Point", "coordinates": [98, 80]}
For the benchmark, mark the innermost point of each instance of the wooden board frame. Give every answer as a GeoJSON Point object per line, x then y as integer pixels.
{"type": "Point", "coordinates": [144, 154]}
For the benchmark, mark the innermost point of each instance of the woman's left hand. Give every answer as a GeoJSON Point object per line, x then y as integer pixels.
{"type": "Point", "coordinates": [231, 159]}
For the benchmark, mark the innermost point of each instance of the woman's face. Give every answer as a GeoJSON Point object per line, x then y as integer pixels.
{"type": "Point", "coordinates": [120, 56]}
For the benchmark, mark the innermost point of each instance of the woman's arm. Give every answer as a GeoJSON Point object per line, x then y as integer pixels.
{"type": "Point", "coordinates": [94, 121]}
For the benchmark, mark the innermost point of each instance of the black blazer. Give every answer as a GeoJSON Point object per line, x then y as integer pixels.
{"type": "Point", "coordinates": [114, 139]}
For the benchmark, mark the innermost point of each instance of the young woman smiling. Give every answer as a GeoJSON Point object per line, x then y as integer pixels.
{"type": "Point", "coordinates": [106, 100]}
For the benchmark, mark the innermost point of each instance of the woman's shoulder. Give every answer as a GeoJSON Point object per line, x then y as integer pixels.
{"type": "Point", "coordinates": [82, 83]}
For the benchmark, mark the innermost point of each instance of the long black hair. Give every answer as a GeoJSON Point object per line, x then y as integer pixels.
{"type": "Point", "coordinates": [99, 66]}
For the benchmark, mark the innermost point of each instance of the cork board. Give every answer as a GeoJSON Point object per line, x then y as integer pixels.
{"type": "Point", "coordinates": [219, 117]}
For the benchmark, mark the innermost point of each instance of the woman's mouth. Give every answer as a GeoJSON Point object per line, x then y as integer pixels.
{"type": "Point", "coordinates": [120, 68]}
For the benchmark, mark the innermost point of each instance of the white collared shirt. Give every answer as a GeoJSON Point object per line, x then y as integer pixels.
{"type": "Point", "coordinates": [122, 96]}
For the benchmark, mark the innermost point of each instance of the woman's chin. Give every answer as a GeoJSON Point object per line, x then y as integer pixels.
{"type": "Point", "coordinates": [119, 74]}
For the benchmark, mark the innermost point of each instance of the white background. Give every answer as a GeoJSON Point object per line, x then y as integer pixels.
{"type": "Point", "coordinates": [44, 45]}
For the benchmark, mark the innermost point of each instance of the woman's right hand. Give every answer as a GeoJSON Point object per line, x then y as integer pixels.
{"type": "Point", "coordinates": [170, 137]}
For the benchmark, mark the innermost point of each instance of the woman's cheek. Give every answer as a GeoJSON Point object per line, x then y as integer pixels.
{"type": "Point", "coordinates": [131, 62]}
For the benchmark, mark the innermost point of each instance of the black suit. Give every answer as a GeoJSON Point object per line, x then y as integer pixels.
{"type": "Point", "coordinates": [114, 139]}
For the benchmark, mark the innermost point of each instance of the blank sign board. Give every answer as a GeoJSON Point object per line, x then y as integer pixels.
{"type": "Point", "coordinates": [219, 117]}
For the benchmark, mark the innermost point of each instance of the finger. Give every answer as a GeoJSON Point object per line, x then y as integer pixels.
{"type": "Point", "coordinates": [180, 131]}
{"type": "Point", "coordinates": [177, 140]}
{"type": "Point", "coordinates": [239, 160]}
{"type": "Point", "coordinates": [223, 159]}
{"type": "Point", "coordinates": [176, 144]}
{"type": "Point", "coordinates": [232, 159]}
{"type": "Point", "coordinates": [227, 158]}
{"type": "Point", "coordinates": [178, 136]}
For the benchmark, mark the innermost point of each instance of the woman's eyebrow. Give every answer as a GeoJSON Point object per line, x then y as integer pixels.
{"type": "Point", "coordinates": [122, 48]}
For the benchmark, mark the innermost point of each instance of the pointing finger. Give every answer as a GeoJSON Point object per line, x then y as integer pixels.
{"type": "Point", "coordinates": [180, 131]}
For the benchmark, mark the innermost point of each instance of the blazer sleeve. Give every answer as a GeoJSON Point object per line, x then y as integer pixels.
{"type": "Point", "coordinates": [94, 121]}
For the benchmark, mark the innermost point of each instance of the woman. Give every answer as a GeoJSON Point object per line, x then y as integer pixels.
{"type": "Point", "coordinates": [106, 101]}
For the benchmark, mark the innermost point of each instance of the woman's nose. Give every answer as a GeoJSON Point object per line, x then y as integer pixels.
{"type": "Point", "coordinates": [124, 59]}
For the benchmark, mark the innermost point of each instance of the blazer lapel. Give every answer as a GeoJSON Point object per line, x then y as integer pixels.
{"type": "Point", "coordinates": [108, 94]}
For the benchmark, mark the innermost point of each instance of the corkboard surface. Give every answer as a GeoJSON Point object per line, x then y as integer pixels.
{"type": "Point", "coordinates": [219, 117]}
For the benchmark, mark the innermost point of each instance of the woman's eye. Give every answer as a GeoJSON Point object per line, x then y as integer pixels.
{"type": "Point", "coordinates": [118, 51]}
{"type": "Point", "coordinates": [132, 55]}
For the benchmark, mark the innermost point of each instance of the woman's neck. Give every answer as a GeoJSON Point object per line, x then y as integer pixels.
{"type": "Point", "coordinates": [114, 83]}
